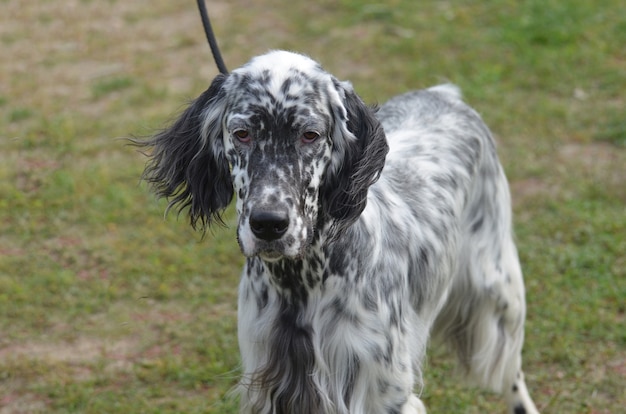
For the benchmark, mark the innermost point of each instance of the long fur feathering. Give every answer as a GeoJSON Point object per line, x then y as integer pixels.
{"type": "Point", "coordinates": [366, 232]}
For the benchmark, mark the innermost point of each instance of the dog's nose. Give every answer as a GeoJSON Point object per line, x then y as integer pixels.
{"type": "Point", "coordinates": [268, 225]}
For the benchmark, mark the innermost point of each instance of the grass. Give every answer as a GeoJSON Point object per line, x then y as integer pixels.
{"type": "Point", "coordinates": [107, 307]}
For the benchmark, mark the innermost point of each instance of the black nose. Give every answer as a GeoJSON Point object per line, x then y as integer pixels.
{"type": "Point", "coordinates": [268, 225]}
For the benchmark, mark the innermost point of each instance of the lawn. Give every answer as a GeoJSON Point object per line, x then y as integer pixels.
{"type": "Point", "coordinates": [107, 306]}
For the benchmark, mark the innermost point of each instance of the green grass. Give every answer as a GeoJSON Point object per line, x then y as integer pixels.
{"type": "Point", "coordinates": [105, 87]}
{"type": "Point", "coordinates": [107, 307]}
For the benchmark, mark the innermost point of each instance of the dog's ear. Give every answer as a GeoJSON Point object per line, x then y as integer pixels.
{"type": "Point", "coordinates": [358, 156]}
{"type": "Point", "coordinates": [187, 163]}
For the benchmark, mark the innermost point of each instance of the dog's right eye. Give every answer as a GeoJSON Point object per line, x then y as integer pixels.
{"type": "Point", "coordinates": [310, 137]}
{"type": "Point", "coordinates": [242, 135]}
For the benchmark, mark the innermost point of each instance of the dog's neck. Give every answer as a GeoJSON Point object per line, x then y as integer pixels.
{"type": "Point", "coordinates": [294, 278]}
{"type": "Point", "coordinates": [290, 341]}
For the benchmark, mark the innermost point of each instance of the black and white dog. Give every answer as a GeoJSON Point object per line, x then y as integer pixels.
{"type": "Point", "coordinates": [365, 231]}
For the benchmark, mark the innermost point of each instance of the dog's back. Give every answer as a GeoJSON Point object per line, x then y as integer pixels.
{"type": "Point", "coordinates": [443, 165]}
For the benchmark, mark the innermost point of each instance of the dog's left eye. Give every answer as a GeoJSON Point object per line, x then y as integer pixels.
{"type": "Point", "coordinates": [242, 135]}
{"type": "Point", "coordinates": [309, 137]}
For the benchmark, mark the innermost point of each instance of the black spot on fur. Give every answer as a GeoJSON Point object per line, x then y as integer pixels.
{"type": "Point", "coordinates": [262, 298]}
{"type": "Point", "coordinates": [288, 277]}
{"type": "Point", "coordinates": [351, 376]}
{"type": "Point", "coordinates": [369, 302]}
{"type": "Point", "coordinates": [520, 409]}
{"type": "Point", "coordinates": [478, 224]}
{"type": "Point", "coordinates": [338, 261]}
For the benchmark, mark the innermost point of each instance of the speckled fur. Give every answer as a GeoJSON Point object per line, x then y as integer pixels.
{"type": "Point", "coordinates": [398, 226]}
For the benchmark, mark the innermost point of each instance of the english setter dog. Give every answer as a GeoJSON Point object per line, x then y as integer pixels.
{"type": "Point", "coordinates": [364, 230]}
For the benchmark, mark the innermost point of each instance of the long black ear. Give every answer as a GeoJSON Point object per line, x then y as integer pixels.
{"type": "Point", "coordinates": [359, 151]}
{"type": "Point", "coordinates": [187, 164]}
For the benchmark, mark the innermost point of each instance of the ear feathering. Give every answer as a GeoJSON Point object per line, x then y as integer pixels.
{"type": "Point", "coordinates": [187, 164]}
{"type": "Point", "coordinates": [359, 151]}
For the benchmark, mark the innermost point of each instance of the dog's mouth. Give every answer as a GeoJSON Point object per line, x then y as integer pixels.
{"type": "Point", "coordinates": [274, 251]}
{"type": "Point", "coordinates": [270, 255]}
{"type": "Point", "coordinates": [271, 252]}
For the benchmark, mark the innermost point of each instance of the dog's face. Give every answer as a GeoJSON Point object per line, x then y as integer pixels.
{"type": "Point", "coordinates": [276, 180]}
{"type": "Point", "coordinates": [277, 133]}
{"type": "Point", "coordinates": [297, 147]}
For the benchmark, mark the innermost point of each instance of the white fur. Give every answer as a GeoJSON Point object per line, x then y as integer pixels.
{"type": "Point", "coordinates": [389, 228]}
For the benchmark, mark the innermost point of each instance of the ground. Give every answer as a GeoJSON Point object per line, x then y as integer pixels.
{"type": "Point", "coordinates": [107, 307]}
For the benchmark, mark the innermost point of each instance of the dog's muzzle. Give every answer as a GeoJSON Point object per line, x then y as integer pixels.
{"type": "Point", "coordinates": [271, 233]}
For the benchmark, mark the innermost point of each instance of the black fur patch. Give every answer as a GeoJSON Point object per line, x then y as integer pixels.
{"type": "Point", "coordinates": [520, 409]}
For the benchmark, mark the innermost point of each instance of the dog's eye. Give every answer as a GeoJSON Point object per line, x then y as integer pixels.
{"type": "Point", "coordinates": [242, 135]}
{"type": "Point", "coordinates": [309, 137]}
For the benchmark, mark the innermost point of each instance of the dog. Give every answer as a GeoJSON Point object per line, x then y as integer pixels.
{"type": "Point", "coordinates": [366, 232]}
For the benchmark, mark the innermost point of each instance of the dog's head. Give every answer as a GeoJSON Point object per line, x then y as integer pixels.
{"type": "Point", "coordinates": [296, 146]}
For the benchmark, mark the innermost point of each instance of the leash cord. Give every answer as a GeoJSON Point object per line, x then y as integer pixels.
{"type": "Point", "coordinates": [208, 31]}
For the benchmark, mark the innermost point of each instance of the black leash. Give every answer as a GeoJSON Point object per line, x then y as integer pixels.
{"type": "Point", "coordinates": [208, 30]}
